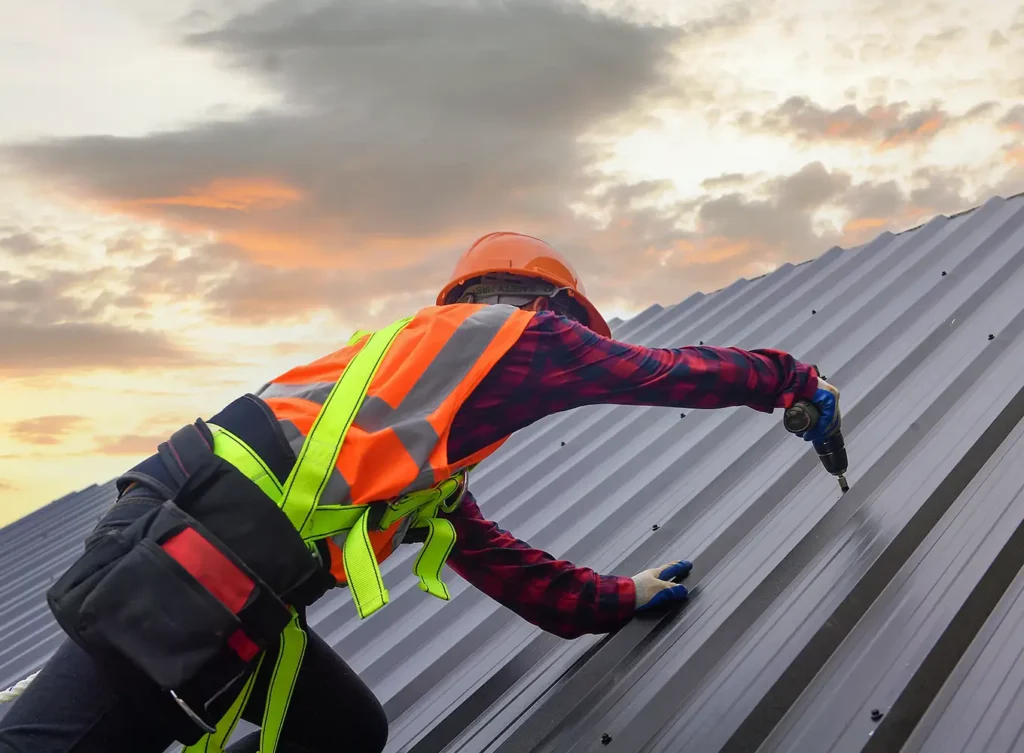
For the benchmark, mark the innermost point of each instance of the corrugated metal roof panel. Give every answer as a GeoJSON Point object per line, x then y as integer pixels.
{"type": "Point", "coordinates": [810, 608]}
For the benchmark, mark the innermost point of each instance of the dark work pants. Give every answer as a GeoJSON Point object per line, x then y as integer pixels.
{"type": "Point", "coordinates": [71, 707]}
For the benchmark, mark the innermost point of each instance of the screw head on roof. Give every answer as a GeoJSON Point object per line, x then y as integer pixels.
{"type": "Point", "coordinates": [814, 311]}
{"type": "Point", "coordinates": [875, 715]}
{"type": "Point", "coordinates": [991, 337]}
{"type": "Point", "coordinates": [943, 273]}
{"type": "Point", "coordinates": [682, 415]}
{"type": "Point", "coordinates": [563, 444]}
{"type": "Point", "coordinates": [655, 527]}
{"type": "Point", "coordinates": [701, 342]}
{"type": "Point", "coordinates": [605, 738]}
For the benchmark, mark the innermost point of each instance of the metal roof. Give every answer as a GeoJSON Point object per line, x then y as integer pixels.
{"type": "Point", "coordinates": [888, 618]}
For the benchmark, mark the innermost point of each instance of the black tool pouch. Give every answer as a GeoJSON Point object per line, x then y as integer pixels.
{"type": "Point", "coordinates": [189, 595]}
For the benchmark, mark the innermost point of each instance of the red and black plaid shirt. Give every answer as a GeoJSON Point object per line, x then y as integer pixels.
{"type": "Point", "coordinates": [557, 365]}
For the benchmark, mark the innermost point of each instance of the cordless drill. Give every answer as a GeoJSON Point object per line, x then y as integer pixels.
{"type": "Point", "coordinates": [803, 416]}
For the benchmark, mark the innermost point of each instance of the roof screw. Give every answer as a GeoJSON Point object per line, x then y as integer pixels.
{"type": "Point", "coordinates": [814, 311]}
{"type": "Point", "coordinates": [682, 415]}
{"type": "Point", "coordinates": [563, 444]}
{"type": "Point", "coordinates": [701, 342]}
{"type": "Point", "coordinates": [943, 273]}
{"type": "Point", "coordinates": [875, 715]}
{"type": "Point", "coordinates": [991, 337]}
{"type": "Point", "coordinates": [605, 738]}
{"type": "Point", "coordinates": [655, 527]}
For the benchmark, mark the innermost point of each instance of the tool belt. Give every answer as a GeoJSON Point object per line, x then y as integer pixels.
{"type": "Point", "coordinates": [190, 594]}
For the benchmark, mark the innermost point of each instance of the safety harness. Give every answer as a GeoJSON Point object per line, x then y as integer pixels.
{"type": "Point", "coordinates": [97, 590]}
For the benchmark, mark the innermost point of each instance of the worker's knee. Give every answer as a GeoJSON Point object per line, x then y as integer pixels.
{"type": "Point", "coordinates": [376, 730]}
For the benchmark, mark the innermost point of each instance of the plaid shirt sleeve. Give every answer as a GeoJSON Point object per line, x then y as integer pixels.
{"type": "Point", "coordinates": [557, 365]}
{"type": "Point", "coordinates": [553, 594]}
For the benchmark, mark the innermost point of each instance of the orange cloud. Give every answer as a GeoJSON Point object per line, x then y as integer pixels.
{"type": "Point", "coordinates": [259, 217]}
{"type": "Point", "coordinates": [864, 223]}
{"type": "Point", "coordinates": [924, 130]}
{"type": "Point", "coordinates": [711, 250]}
{"type": "Point", "coordinates": [130, 444]}
{"type": "Point", "coordinates": [45, 430]}
{"type": "Point", "coordinates": [1015, 155]}
{"type": "Point", "coordinates": [237, 194]}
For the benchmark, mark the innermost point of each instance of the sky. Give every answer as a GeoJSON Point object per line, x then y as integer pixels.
{"type": "Point", "coordinates": [195, 197]}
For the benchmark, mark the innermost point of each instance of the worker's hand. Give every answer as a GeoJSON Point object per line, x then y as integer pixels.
{"type": "Point", "coordinates": [826, 400]}
{"type": "Point", "coordinates": [654, 587]}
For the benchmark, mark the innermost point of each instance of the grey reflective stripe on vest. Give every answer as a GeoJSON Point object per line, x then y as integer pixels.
{"type": "Point", "coordinates": [337, 490]}
{"type": "Point", "coordinates": [408, 420]}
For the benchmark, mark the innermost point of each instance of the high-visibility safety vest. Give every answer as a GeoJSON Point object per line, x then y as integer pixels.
{"type": "Point", "coordinates": [369, 425]}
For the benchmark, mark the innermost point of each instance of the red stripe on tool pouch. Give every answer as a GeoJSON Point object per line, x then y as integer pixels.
{"type": "Point", "coordinates": [242, 645]}
{"type": "Point", "coordinates": [212, 569]}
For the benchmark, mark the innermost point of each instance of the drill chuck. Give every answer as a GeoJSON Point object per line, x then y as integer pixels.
{"type": "Point", "coordinates": [803, 416]}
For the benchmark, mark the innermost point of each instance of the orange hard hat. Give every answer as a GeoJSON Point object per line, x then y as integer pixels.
{"type": "Point", "coordinates": [523, 256]}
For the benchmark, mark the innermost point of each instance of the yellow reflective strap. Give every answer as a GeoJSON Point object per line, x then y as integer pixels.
{"type": "Point", "coordinates": [232, 449]}
{"type": "Point", "coordinates": [282, 683]}
{"type": "Point", "coordinates": [319, 452]}
{"type": "Point", "coordinates": [362, 571]}
{"type": "Point", "coordinates": [433, 555]}
{"type": "Point", "coordinates": [358, 335]}
{"type": "Point", "coordinates": [330, 520]}
{"type": "Point", "coordinates": [215, 742]}
{"type": "Point", "coordinates": [410, 503]}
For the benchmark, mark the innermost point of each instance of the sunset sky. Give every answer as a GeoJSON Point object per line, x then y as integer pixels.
{"type": "Point", "coordinates": [196, 196]}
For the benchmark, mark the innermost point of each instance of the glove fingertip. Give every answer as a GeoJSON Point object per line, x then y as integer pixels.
{"type": "Point", "coordinates": [676, 593]}
{"type": "Point", "coordinates": [675, 570]}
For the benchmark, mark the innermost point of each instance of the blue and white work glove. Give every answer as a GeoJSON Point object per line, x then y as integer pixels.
{"type": "Point", "coordinates": [826, 400]}
{"type": "Point", "coordinates": [655, 588]}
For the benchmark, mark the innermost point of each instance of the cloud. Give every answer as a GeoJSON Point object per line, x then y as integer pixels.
{"type": "Point", "coordinates": [997, 39]}
{"type": "Point", "coordinates": [45, 430]}
{"type": "Point", "coordinates": [408, 128]}
{"type": "Point", "coordinates": [726, 180]}
{"type": "Point", "coordinates": [883, 125]}
{"type": "Point", "coordinates": [941, 41]}
{"type": "Point", "coordinates": [21, 244]}
{"type": "Point", "coordinates": [755, 227]}
{"type": "Point", "coordinates": [1013, 120]}
{"type": "Point", "coordinates": [129, 444]}
{"type": "Point", "coordinates": [54, 323]}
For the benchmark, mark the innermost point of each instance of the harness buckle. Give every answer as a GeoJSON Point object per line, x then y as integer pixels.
{"type": "Point", "coordinates": [196, 719]}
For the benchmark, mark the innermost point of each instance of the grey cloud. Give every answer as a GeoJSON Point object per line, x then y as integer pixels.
{"type": "Point", "coordinates": [725, 180]}
{"type": "Point", "coordinates": [775, 222]}
{"type": "Point", "coordinates": [875, 200]}
{"type": "Point", "coordinates": [997, 39]}
{"type": "Point", "coordinates": [404, 120]}
{"type": "Point", "coordinates": [45, 327]}
{"type": "Point", "coordinates": [889, 124]}
{"type": "Point", "coordinates": [32, 348]}
{"type": "Point", "coordinates": [1013, 120]}
{"type": "Point", "coordinates": [783, 217]}
{"type": "Point", "coordinates": [648, 252]}
{"type": "Point", "coordinates": [981, 110]}
{"type": "Point", "coordinates": [939, 191]}
{"type": "Point", "coordinates": [939, 42]}
{"type": "Point", "coordinates": [21, 243]}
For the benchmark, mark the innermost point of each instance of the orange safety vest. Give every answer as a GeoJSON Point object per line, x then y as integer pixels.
{"type": "Point", "coordinates": [398, 442]}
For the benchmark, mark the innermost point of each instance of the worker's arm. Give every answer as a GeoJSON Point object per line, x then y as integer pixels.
{"type": "Point", "coordinates": [557, 364]}
{"type": "Point", "coordinates": [555, 595]}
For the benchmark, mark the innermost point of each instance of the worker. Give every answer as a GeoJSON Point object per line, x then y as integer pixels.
{"type": "Point", "coordinates": [513, 338]}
